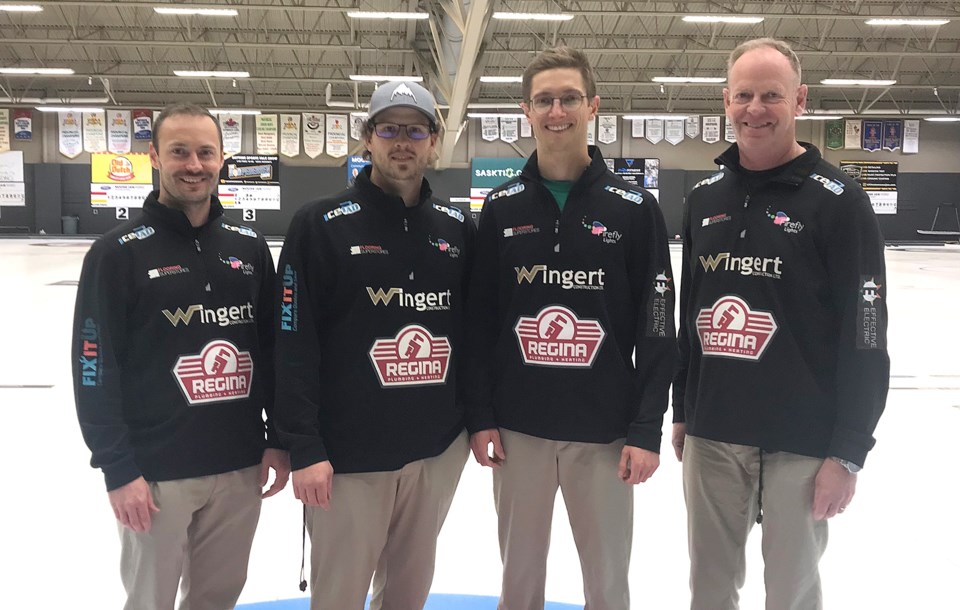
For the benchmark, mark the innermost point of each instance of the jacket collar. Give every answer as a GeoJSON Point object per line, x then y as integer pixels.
{"type": "Point", "coordinates": [793, 172]}
{"type": "Point", "coordinates": [175, 219]}
{"type": "Point", "coordinates": [596, 169]}
{"type": "Point", "coordinates": [389, 204]}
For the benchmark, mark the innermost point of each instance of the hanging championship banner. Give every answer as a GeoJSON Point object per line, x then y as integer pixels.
{"type": "Point", "coordinates": [878, 179]}
{"type": "Point", "coordinates": [232, 127]}
{"type": "Point", "coordinates": [94, 132]}
{"type": "Point", "coordinates": [142, 125]}
{"type": "Point", "coordinates": [871, 135]}
{"type": "Point", "coordinates": [290, 135]}
{"type": "Point", "coordinates": [892, 133]}
{"type": "Point", "coordinates": [489, 128]}
{"type": "Point", "coordinates": [356, 126]}
{"type": "Point", "coordinates": [23, 124]}
{"type": "Point", "coordinates": [691, 127]}
{"type": "Point", "coordinates": [636, 128]}
{"type": "Point", "coordinates": [728, 133]}
{"type": "Point", "coordinates": [355, 164]}
{"type": "Point", "coordinates": [711, 129]}
{"type": "Point", "coordinates": [337, 143]}
{"type": "Point", "coordinates": [654, 130]}
{"type": "Point", "coordinates": [4, 130]}
{"type": "Point", "coordinates": [71, 138]}
{"type": "Point", "coordinates": [834, 131]}
{"type": "Point", "coordinates": [851, 133]}
{"type": "Point", "coordinates": [525, 130]}
{"type": "Point", "coordinates": [313, 140]}
{"type": "Point", "coordinates": [266, 134]}
{"type": "Point", "coordinates": [118, 131]}
{"type": "Point", "coordinates": [607, 129]}
{"type": "Point", "coordinates": [911, 137]}
{"type": "Point", "coordinates": [508, 129]}
{"type": "Point", "coordinates": [591, 132]}
{"type": "Point", "coordinates": [673, 131]}
{"type": "Point", "coordinates": [250, 182]}
{"type": "Point", "coordinates": [120, 181]}
{"type": "Point", "coordinates": [12, 189]}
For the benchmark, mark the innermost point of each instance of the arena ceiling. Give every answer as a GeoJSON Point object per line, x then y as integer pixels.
{"type": "Point", "coordinates": [300, 54]}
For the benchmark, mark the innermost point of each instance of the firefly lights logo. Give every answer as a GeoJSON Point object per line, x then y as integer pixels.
{"type": "Point", "coordinates": [781, 219]}
{"type": "Point", "coordinates": [445, 247]}
{"type": "Point", "coordinates": [599, 229]}
{"type": "Point", "coordinates": [235, 263]}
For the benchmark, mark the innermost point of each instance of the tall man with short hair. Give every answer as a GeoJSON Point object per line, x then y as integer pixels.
{"type": "Point", "coordinates": [370, 322]}
{"type": "Point", "coordinates": [784, 368]}
{"type": "Point", "coordinates": [173, 372]}
{"type": "Point", "coordinates": [572, 344]}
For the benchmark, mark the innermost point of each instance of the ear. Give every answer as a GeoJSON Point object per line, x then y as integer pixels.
{"type": "Point", "coordinates": [726, 98]}
{"type": "Point", "coordinates": [155, 157]}
{"type": "Point", "coordinates": [801, 99]}
{"type": "Point", "coordinates": [526, 110]}
{"type": "Point", "coordinates": [595, 105]}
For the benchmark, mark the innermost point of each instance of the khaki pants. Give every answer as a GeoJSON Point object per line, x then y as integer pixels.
{"type": "Point", "coordinates": [599, 504]}
{"type": "Point", "coordinates": [382, 525]}
{"type": "Point", "coordinates": [200, 540]}
{"type": "Point", "coordinates": [720, 484]}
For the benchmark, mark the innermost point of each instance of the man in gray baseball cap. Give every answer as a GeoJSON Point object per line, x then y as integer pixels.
{"type": "Point", "coordinates": [403, 95]}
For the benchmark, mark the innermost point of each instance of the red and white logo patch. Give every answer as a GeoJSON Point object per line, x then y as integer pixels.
{"type": "Point", "coordinates": [219, 372]}
{"type": "Point", "coordinates": [557, 337]}
{"type": "Point", "coordinates": [731, 329]}
{"type": "Point", "coordinates": [413, 357]}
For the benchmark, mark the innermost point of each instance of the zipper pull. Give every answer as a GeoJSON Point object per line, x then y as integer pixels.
{"type": "Point", "coordinates": [406, 226]}
{"type": "Point", "coordinates": [746, 201]}
{"type": "Point", "coordinates": [196, 242]}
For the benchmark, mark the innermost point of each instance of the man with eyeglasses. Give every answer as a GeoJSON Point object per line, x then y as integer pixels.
{"type": "Point", "coordinates": [571, 344]}
{"type": "Point", "coordinates": [370, 323]}
{"type": "Point", "coordinates": [784, 368]}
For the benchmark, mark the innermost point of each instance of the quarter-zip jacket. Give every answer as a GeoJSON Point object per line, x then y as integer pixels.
{"type": "Point", "coordinates": [172, 347]}
{"type": "Point", "coordinates": [369, 314]}
{"type": "Point", "coordinates": [559, 303]}
{"type": "Point", "coordinates": [783, 310]}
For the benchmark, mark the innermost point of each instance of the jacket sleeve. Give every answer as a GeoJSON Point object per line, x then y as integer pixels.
{"type": "Point", "coordinates": [266, 332]}
{"type": "Point", "coordinates": [656, 346]}
{"type": "Point", "coordinates": [482, 325]}
{"type": "Point", "coordinates": [857, 273]}
{"type": "Point", "coordinates": [99, 333]}
{"type": "Point", "coordinates": [683, 331]}
{"type": "Point", "coordinates": [300, 276]}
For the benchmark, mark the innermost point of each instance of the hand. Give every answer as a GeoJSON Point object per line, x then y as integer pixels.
{"type": "Point", "coordinates": [313, 485]}
{"type": "Point", "coordinates": [679, 436]}
{"type": "Point", "coordinates": [637, 465]}
{"type": "Point", "coordinates": [480, 445]}
{"type": "Point", "coordinates": [833, 490]}
{"type": "Point", "coordinates": [133, 505]}
{"type": "Point", "coordinates": [279, 460]}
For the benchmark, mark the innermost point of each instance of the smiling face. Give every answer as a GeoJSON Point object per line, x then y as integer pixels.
{"type": "Point", "coordinates": [560, 129]}
{"type": "Point", "coordinates": [188, 157]}
{"type": "Point", "coordinates": [400, 160]}
{"type": "Point", "coordinates": [762, 100]}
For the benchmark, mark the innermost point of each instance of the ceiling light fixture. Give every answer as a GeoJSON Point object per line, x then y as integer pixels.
{"type": "Point", "coordinates": [943, 119]}
{"type": "Point", "coordinates": [722, 19]}
{"type": "Point", "coordinates": [819, 117]}
{"type": "Point", "coordinates": [186, 10]}
{"type": "Point", "coordinates": [858, 82]}
{"type": "Point", "coordinates": [21, 8]}
{"type": "Point", "coordinates": [533, 16]}
{"type": "Point", "coordinates": [493, 106]}
{"type": "Point", "coordinates": [882, 22]}
{"type": "Point", "coordinates": [664, 117]}
{"type": "Point", "coordinates": [233, 111]}
{"type": "Point", "coordinates": [68, 109]}
{"type": "Point", "coordinates": [42, 71]}
{"type": "Point", "coordinates": [378, 78]}
{"type": "Point", "coordinates": [689, 79]}
{"type": "Point", "coordinates": [386, 15]}
{"type": "Point", "coordinates": [501, 79]}
{"type": "Point", "coordinates": [211, 74]}
{"type": "Point", "coordinates": [487, 115]}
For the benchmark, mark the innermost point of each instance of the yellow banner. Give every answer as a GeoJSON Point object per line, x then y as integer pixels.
{"type": "Point", "coordinates": [128, 168]}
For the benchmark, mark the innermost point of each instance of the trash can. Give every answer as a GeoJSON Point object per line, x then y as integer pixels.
{"type": "Point", "coordinates": [70, 224]}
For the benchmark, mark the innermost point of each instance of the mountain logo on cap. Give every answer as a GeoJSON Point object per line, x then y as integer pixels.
{"type": "Point", "coordinates": [403, 89]}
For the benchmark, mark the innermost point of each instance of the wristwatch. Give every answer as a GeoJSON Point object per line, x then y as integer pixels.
{"type": "Point", "coordinates": [850, 466]}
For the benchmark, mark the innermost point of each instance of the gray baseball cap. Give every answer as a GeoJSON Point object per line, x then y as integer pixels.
{"type": "Point", "coordinates": [402, 94]}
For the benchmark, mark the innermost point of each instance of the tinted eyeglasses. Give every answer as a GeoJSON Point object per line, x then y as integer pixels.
{"type": "Point", "coordinates": [415, 131]}
{"type": "Point", "coordinates": [542, 104]}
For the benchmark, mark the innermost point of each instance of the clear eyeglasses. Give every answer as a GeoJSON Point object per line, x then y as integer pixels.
{"type": "Point", "coordinates": [389, 131]}
{"type": "Point", "coordinates": [542, 104]}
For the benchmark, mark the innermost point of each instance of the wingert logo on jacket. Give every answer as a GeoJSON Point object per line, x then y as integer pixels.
{"type": "Point", "coordinates": [558, 337]}
{"type": "Point", "coordinates": [414, 357]}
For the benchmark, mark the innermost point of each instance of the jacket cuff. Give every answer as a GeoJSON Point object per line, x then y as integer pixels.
{"type": "Point", "coordinates": [121, 473]}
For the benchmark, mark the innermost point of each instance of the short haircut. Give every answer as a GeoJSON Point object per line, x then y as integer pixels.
{"type": "Point", "coordinates": [186, 109]}
{"type": "Point", "coordinates": [770, 43]}
{"type": "Point", "coordinates": [560, 57]}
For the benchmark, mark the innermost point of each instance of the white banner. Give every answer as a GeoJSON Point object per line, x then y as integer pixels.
{"type": "Point", "coordinates": [356, 126]}
{"type": "Point", "coordinates": [118, 132]}
{"type": "Point", "coordinates": [12, 190]}
{"type": "Point", "coordinates": [525, 130]}
{"type": "Point", "coordinates": [337, 143]}
{"type": "Point", "coordinates": [4, 130]}
{"type": "Point", "coordinates": [591, 132]}
{"type": "Point", "coordinates": [13, 194]}
{"type": "Point", "coordinates": [290, 135]}
{"type": "Point", "coordinates": [711, 129]}
{"type": "Point", "coordinates": [267, 134]}
{"type": "Point", "coordinates": [489, 128]}
{"type": "Point", "coordinates": [94, 132]}
{"type": "Point", "coordinates": [637, 130]}
{"type": "Point", "coordinates": [313, 124]}
{"type": "Point", "coordinates": [508, 129]}
{"type": "Point", "coordinates": [654, 130]}
{"type": "Point", "coordinates": [851, 134]}
{"type": "Point", "coordinates": [673, 131]}
{"type": "Point", "coordinates": [911, 137]}
{"type": "Point", "coordinates": [728, 134]}
{"type": "Point", "coordinates": [608, 129]}
{"type": "Point", "coordinates": [232, 127]}
{"type": "Point", "coordinates": [71, 138]}
{"type": "Point", "coordinates": [691, 126]}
